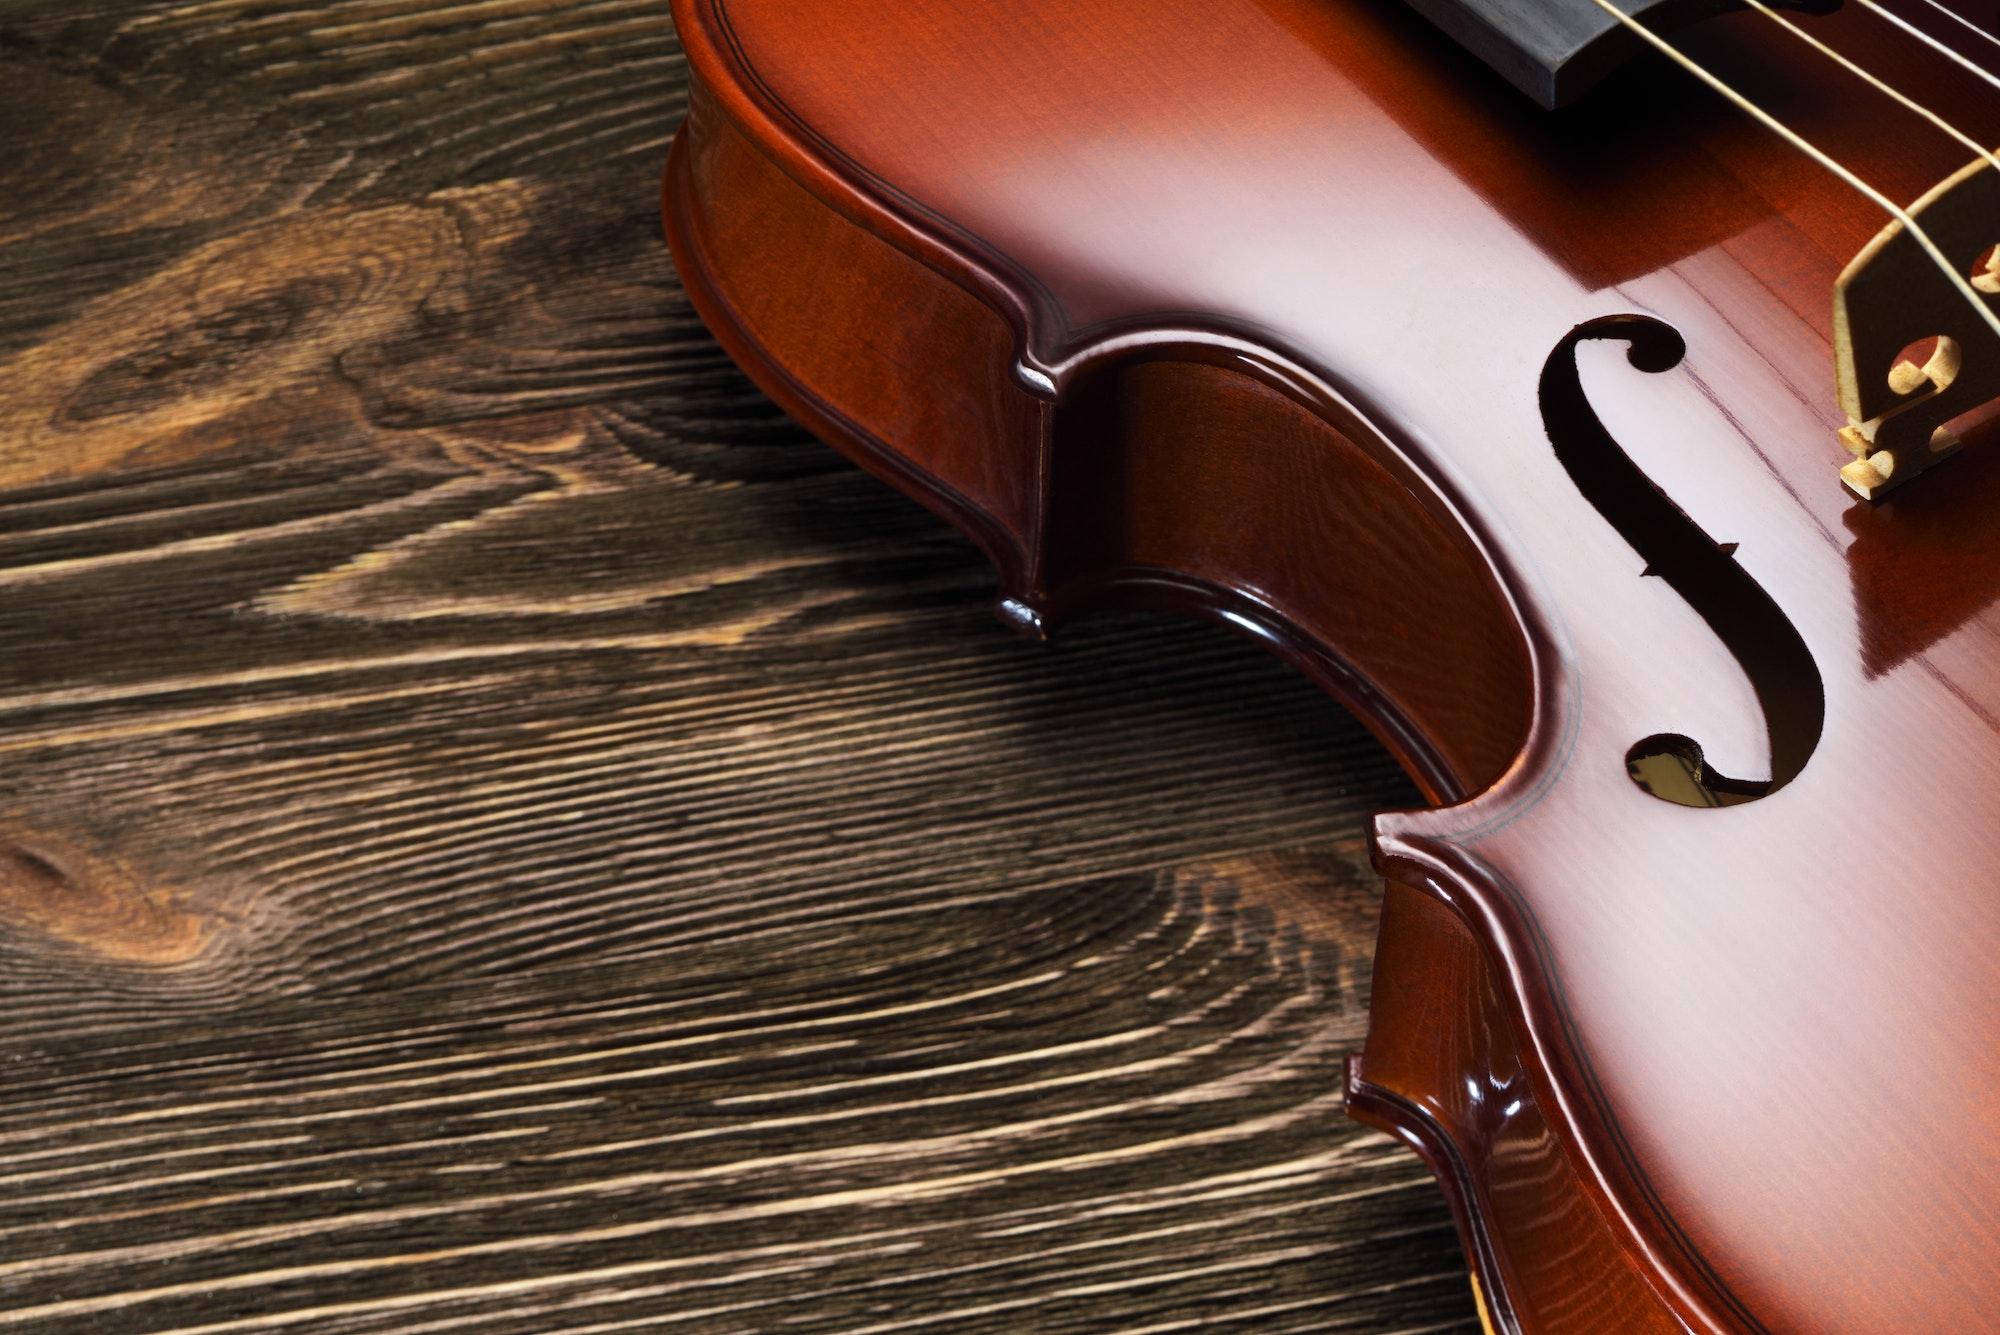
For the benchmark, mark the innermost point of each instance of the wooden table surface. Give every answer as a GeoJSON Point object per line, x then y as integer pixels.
{"type": "Point", "coordinates": [500, 831]}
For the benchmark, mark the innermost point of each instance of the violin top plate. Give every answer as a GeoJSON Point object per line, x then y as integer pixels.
{"type": "Point", "coordinates": [1765, 1032]}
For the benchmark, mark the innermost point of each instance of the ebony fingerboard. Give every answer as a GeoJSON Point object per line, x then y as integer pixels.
{"type": "Point", "coordinates": [1556, 50]}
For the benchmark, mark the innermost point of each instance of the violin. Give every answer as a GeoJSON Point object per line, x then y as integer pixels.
{"type": "Point", "coordinates": [1592, 401]}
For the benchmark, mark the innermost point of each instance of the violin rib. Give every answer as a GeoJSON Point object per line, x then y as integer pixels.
{"type": "Point", "coordinates": [1443, 1073]}
{"type": "Point", "coordinates": [1076, 506]}
{"type": "Point", "coordinates": [1247, 308]}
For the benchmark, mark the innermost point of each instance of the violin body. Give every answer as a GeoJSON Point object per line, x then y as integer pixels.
{"type": "Point", "coordinates": [1516, 431]}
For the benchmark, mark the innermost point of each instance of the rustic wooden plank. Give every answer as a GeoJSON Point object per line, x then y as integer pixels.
{"type": "Point", "coordinates": [499, 830]}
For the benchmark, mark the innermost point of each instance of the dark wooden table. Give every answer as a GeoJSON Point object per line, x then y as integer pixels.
{"type": "Point", "coordinates": [500, 831]}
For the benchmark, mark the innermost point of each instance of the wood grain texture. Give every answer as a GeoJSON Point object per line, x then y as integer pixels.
{"type": "Point", "coordinates": [500, 831]}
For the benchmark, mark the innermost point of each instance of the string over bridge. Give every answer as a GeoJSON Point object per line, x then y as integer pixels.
{"type": "Point", "coordinates": [1910, 351]}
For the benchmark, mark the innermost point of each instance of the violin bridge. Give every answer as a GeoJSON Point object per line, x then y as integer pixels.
{"type": "Point", "coordinates": [1910, 351]}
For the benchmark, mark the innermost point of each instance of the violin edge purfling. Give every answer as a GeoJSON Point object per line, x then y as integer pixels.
{"type": "Point", "coordinates": [1183, 460]}
{"type": "Point", "coordinates": [1458, 1139]}
{"type": "Point", "coordinates": [1555, 51]}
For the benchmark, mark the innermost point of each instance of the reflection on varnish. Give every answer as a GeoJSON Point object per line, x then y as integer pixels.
{"type": "Point", "coordinates": [1928, 560]}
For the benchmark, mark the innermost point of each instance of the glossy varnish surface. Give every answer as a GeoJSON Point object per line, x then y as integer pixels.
{"type": "Point", "coordinates": [1803, 1142]}
{"type": "Point", "coordinates": [1440, 1046]}
{"type": "Point", "coordinates": [1160, 464]}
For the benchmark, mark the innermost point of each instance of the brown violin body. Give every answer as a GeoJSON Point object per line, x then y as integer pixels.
{"type": "Point", "coordinates": [1286, 313]}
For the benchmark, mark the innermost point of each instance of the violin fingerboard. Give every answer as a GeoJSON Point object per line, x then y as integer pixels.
{"type": "Point", "coordinates": [1556, 50]}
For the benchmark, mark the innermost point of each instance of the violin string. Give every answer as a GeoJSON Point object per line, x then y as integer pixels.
{"type": "Point", "coordinates": [1932, 42]}
{"type": "Point", "coordinates": [1960, 19]}
{"type": "Point", "coordinates": [1811, 150]}
{"type": "Point", "coordinates": [1907, 102]}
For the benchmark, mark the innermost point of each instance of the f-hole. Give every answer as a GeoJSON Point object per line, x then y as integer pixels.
{"type": "Point", "coordinates": [1702, 571]}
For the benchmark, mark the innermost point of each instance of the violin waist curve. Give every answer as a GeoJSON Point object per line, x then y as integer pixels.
{"type": "Point", "coordinates": [1259, 326]}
